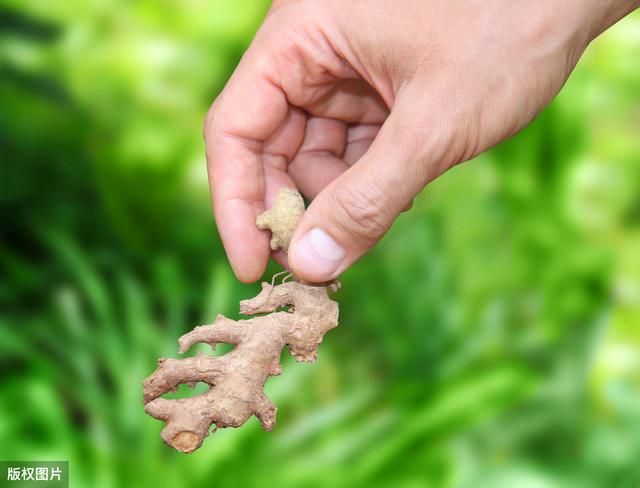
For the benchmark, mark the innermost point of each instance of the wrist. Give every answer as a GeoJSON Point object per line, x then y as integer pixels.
{"type": "Point", "coordinates": [607, 12]}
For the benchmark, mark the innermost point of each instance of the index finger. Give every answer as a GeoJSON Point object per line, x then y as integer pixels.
{"type": "Point", "coordinates": [247, 112]}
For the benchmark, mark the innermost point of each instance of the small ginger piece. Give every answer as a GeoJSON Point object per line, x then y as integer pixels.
{"type": "Point", "coordinates": [282, 218]}
{"type": "Point", "coordinates": [237, 378]}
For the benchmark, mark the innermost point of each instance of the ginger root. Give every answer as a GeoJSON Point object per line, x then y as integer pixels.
{"type": "Point", "coordinates": [237, 378]}
{"type": "Point", "coordinates": [282, 218]}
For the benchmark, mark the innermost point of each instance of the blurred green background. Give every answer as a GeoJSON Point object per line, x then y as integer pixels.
{"type": "Point", "coordinates": [491, 340]}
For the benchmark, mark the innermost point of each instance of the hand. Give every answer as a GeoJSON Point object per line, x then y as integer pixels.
{"type": "Point", "coordinates": [359, 104]}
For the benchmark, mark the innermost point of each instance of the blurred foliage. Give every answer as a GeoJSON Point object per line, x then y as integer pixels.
{"type": "Point", "coordinates": [492, 339]}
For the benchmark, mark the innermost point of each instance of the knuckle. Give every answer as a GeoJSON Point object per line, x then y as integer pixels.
{"type": "Point", "coordinates": [361, 214]}
{"type": "Point", "coordinates": [209, 120]}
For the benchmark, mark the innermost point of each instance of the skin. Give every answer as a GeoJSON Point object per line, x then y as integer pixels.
{"type": "Point", "coordinates": [361, 103]}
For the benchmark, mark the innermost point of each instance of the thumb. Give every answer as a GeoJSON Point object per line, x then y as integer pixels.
{"type": "Point", "coordinates": [356, 209]}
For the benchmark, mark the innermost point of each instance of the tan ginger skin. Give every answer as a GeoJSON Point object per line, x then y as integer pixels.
{"type": "Point", "coordinates": [283, 218]}
{"type": "Point", "coordinates": [237, 378]}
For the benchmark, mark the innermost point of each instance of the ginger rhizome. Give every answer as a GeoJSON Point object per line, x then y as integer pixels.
{"type": "Point", "coordinates": [282, 218]}
{"type": "Point", "coordinates": [237, 378]}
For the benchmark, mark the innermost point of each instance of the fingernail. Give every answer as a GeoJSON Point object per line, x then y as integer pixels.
{"type": "Point", "coordinates": [317, 255]}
